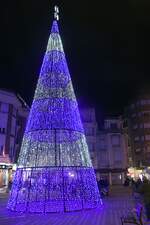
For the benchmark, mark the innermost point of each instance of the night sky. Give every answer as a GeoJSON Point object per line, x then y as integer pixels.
{"type": "Point", "coordinates": [107, 46]}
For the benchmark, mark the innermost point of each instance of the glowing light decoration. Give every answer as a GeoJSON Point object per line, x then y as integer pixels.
{"type": "Point", "coordinates": [54, 172]}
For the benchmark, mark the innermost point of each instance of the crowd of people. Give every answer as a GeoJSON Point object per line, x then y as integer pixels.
{"type": "Point", "coordinates": [141, 190]}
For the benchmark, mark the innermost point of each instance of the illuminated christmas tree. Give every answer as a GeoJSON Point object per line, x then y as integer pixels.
{"type": "Point", "coordinates": [54, 172]}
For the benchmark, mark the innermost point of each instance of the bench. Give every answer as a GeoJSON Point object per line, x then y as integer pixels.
{"type": "Point", "coordinates": [135, 217]}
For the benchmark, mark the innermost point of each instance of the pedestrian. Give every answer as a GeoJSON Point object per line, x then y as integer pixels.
{"type": "Point", "coordinates": [138, 184]}
{"type": "Point", "coordinates": [145, 191]}
{"type": "Point", "coordinates": [127, 181]}
{"type": "Point", "coordinates": [9, 185]}
{"type": "Point", "coordinates": [133, 185]}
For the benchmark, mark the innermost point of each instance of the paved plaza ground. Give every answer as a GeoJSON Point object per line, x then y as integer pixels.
{"type": "Point", "coordinates": [117, 204]}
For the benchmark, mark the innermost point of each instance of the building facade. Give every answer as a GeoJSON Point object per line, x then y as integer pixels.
{"type": "Point", "coordinates": [13, 115]}
{"type": "Point", "coordinates": [137, 123]}
{"type": "Point", "coordinates": [112, 151]}
{"type": "Point", "coordinates": [90, 126]}
{"type": "Point", "coordinates": [107, 146]}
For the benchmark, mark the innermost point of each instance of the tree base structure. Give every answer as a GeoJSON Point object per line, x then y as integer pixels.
{"type": "Point", "coordinates": [54, 189]}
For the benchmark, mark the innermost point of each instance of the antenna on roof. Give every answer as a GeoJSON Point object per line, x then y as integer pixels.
{"type": "Point", "coordinates": [56, 12]}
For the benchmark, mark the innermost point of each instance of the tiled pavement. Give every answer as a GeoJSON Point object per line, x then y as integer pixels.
{"type": "Point", "coordinates": [118, 203]}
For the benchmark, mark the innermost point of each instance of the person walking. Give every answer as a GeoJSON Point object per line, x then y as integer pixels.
{"type": "Point", "coordinates": [145, 191]}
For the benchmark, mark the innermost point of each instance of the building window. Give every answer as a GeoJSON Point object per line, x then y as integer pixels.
{"type": "Point", "coordinates": [4, 107]}
{"type": "Point", "coordinates": [115, 140]}
{"type": "Point", "coordinates": [142, 138]}
{"type": "Point", "coordinates": [147, 137]}
{"type": "Point", "coordinates": [14, 111]}
{"type": "Point", "coordinates": [141, 125]}
{"type": "Point", "coordinates": [13, 126]}
{"type": "Point", "coordinates": [135, 126]}
{"type": "Point", "coordinates": [143, 102]}
{"type": "Point", "coordinates": [89, 131]}
{"type": "Point", "coordinates": [11, 152]}
{"type": "Point", "coordinates": [1, 150]}
{"type": "Point", "coordinates": [137, 149]}
{"type": "Point", "coordinates": [132, 106]}
{"type": "Point", "coordinates": [113, 126]}
{"type": "Point", "coordinates": [102, 142]}
{"type": "Point", "coordinates": [93, 147]}
{"type": "Point", "coordinates": [103, 159]}
{"type": "Point", "coordinates": [90, 146]}
{"type": "Point", "coordinates": [129, 142]}
{"type": "Point", "coordinates": [117, 155]}
{"type": "Point", "coordinates": [92, 158]}
{"type": "Point", "coordinates": [146, 114]}
{"type": "Point", "coordinates": [146, 125]}
{"type": "Point", "coordinates": [2, 130]}
{"type": "Point", "coordinates": [148, 148]}
{"type": "Point", "coordinates": [133, 115]}
{"type": "Point", "coordinates": [125, 123]}
{"type": "Point", "coordinates": [117, 163]}
{"type": "Point", "coordinates": [136, 138]}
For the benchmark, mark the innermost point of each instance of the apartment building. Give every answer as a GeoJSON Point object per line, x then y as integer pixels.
{"type": "Point", "coordinates": [13, 114]}
{"type": "Point", "coordinates": [112, 151]}
{"type": "Point", "coordinates": [90, 127]}
{"type": "Point", "coordinates": [137, 124]}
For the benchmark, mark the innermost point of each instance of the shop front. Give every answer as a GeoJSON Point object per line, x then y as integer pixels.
{"type": "Point", "coordinates": [114, 176]}
{"type": "Point", "coordinates": [136, 173]}
{"type": "Point", "coordinates": [5, 175]}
